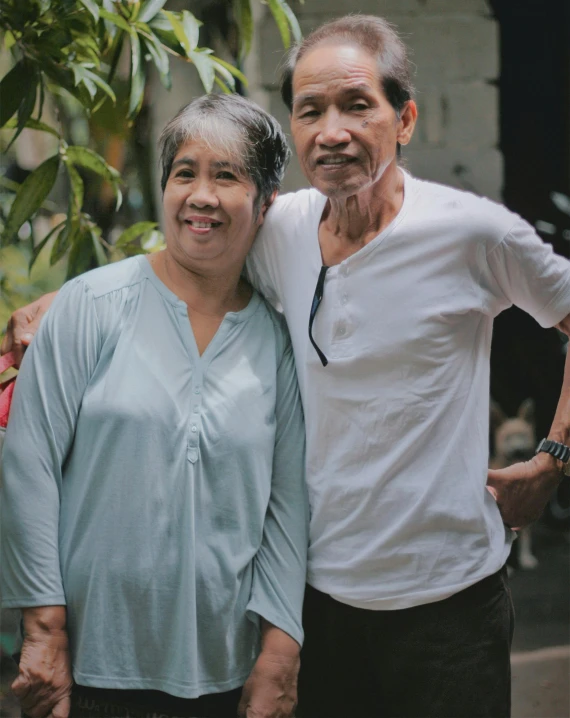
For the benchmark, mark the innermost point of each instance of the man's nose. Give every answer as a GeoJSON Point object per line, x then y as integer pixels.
{"type": "Point", "coordinates": [202, 193]}
{"type": "Point", "coordinates": [333, 129]}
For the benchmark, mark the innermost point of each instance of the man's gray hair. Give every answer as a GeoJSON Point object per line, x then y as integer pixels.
{"type": "Point", "coordinates": [373, 34]}
{"type": "Point", "coordinates": [238, 128]}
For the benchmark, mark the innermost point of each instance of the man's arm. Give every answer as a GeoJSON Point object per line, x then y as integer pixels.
{"type": "Point", "coordinates": [22, 326]}
{"type": "Point", "coordinates": [523, 490]}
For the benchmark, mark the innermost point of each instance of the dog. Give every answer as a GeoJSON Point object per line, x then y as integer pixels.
{"type": "Point", "coordinates": [514, 440]}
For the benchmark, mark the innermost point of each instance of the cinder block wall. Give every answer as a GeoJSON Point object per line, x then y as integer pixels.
{"type": "Point", "coordinates": [455, 49]}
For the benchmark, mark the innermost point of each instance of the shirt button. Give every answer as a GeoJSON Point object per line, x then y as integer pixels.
{"type": "Point", "coordinates": [197, 390]}
{"type": "Point", "coordinates": [194, 428]}
{"type": "Point", "coordinates": [341, 331]}
{"type": "Point", "coordinates": [344, 299]}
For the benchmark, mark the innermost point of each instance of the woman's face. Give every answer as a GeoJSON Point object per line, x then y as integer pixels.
{"type": "Point", "coordinates": [210, 218]}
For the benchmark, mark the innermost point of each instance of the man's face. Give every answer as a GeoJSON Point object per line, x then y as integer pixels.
{"type": "Point", "coordinates": [345, 130]}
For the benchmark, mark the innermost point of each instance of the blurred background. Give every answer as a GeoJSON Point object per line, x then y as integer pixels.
{"type": "Point", "coordinates": [493, 91]}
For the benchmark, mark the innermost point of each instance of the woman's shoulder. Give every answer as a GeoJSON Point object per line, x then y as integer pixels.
{"type": "Point", "coordinates": [272, 321]}
{"type": "Point", "coordinates": [112, 277]}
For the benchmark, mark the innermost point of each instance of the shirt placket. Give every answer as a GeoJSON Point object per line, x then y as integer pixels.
{"type": "Point", "coordinates": [193, 448]}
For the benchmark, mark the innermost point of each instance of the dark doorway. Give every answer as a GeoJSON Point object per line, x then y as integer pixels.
{"type": "Point", "coordinates": [535, 141]}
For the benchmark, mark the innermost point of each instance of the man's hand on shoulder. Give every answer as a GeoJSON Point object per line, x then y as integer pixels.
{"type": "Point", "coordinates": [22, 326]}
{"type": "Point", "coordinates": [522, 490]}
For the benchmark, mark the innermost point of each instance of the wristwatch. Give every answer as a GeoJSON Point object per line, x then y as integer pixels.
{"type": "Point", "coordinates": [559, 451]}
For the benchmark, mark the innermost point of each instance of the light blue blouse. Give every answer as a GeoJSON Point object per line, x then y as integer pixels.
{"type": "Point", "coordinates": [158, 493]}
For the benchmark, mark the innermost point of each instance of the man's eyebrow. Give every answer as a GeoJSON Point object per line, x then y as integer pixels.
{"type": "Point", "coordinates": [315, 97]}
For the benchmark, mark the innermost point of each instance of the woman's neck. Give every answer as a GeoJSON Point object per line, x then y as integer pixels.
{"type": "Point", "coordinates": [206, 293]}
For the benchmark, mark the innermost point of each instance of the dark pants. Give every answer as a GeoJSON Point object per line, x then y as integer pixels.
{"type": "Point", "coordinates": [107, 703]}
{"type": "Point", "coordinates": [448, 659]}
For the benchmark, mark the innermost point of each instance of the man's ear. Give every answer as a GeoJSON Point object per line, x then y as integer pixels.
{"type": "Point", "coordinates": [408, 118]}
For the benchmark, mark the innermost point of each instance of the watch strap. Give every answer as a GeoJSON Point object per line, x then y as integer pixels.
{"type": "Point", "coordinates": [554, 448]}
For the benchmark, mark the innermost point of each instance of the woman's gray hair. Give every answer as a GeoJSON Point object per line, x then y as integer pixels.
{"type": "Point", "coordinates": [238, 128]}
{"type": "Point", "coordinates": [371, 33]}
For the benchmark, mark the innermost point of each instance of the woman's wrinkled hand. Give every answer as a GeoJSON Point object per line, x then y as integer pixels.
{"type": "Point", "coordinates": [44, 683]}
{"type": "Point", "coordinates": [271, 689]}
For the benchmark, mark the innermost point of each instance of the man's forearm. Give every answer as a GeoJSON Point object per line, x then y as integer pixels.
{"type": "Point", "coordinates": [560, 430]}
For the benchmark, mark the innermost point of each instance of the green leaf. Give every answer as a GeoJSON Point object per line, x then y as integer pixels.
{"type": "Point", "coordinates": [191, 28]}
{"type": "Point", "coordinates": [62, 242]}
{"type": "Point", "coordinates": [134, 231]}
{"type": "Point", "coordinates": [38, 248]}
{"type": "Point", "coordinates": [178, 28]}
{"type": "Point", "coordinates": [98, 250]}
{"type": "Point", "coordinates": [244, 18]}
{"type": "Point", "coordinates": [26, 108]}
{"type": "Point", "coordinates": [149, 9]}
{"type": "Point", "coordinates": [138, 77]}
{"type": "Point", "coordinates": [31, 194]}
{"type": "Point", "coordinates": [160, 59]}
{"type": "Point", "coordinates": [100, 83]}
{"type": "Point", "coordinates": [292, 20]}
{"type": "Point", "coordinates": [116, 19]}
{"type": "Point", "coordinates": [92, 7]}
{"type": "Point", "coordinates": [13, 90]}
{"type": "Point", "coordinates": [281, 19]}
{"type": "Point", "coordinates": [81, 254]}
{"type": "Point", "coordinates": [32, 124]}
{"type": "Point", "coordinates": [77, 188]}
{"type": "Point", "coordinates": [229, 81]}
{"type": "Point", "coordinates": [230, 68]}
{"type": "Point", "coordinates": [85, 157]}
{"type": "Point", "coordinates": [80, 77]}
{"type": "Point", "coordinates": [205, 66]}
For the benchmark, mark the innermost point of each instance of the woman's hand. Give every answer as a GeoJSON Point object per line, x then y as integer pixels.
{"type": "Point", "coordinates": [271, 689]}
{"type": "Point", "coordinates": [44, 683]}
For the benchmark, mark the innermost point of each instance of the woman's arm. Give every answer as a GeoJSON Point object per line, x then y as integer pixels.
{"type": "Point", "coordinates": [43, 685]}
{"type": "Point", "coordinates": [47, 399]}
{"type": "Point", "coordinates": [280, 564]}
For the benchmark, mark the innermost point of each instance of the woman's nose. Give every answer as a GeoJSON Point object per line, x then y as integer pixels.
{"type": "Point", "coordinates": [202, 194]}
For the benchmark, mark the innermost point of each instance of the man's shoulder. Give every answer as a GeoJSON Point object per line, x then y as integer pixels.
{"type": "Point", "coordinates": [113, 277]}
{"type": "Point", "coordinates": [292, 207]}
{"type": "Point", "coordinates": [480, 214]}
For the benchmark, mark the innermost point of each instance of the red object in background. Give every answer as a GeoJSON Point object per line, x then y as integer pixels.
{"type": "Point", "coordinates": [6, 389]}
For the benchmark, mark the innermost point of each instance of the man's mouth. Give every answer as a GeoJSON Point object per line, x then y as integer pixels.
{"type": "Point", "coordinates": [335, 160]}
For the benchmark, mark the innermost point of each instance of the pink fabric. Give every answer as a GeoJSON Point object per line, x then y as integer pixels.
{"type": "Point", "coordinates": [6, 389]}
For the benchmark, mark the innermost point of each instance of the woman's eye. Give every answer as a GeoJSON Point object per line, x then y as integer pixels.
{"type": "Point", "coordinates": [185, 173]}
{"type": "Point", "coordinates": [226, 176]}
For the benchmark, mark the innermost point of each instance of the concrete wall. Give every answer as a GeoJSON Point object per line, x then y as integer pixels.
{"type": "Point", "coordinates": [455, 49]}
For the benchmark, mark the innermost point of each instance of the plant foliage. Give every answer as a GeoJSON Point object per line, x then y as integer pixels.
{"type": "Point", "coordinates": [74, 47]}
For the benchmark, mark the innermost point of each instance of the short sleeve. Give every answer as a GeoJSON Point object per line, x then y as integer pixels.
{"type": "Point", "coordinates": [529, 274]}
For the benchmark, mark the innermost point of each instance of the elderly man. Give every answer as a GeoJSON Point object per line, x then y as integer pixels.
{"type": "Point", "coordinates": [389, 286]}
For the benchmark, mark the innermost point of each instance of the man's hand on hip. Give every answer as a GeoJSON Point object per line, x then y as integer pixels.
{"type": "Point", "coordinates": [522, 490]}
{"type": "Point", "coordinates": [22, 326]}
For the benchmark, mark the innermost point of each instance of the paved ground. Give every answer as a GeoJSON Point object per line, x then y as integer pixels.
{"type": "Point", "coordinates": [541, 650]}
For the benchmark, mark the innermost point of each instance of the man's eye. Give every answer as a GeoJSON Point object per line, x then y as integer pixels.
{"type": "Point", "coordinates": [308, 113]}
{"type": "Point", "coordinates": [359, 106]}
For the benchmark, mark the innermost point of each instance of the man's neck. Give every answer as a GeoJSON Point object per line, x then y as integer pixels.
{"type": "Point", "coordinates": [348, 224]}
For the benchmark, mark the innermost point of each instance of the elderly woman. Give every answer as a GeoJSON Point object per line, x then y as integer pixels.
{"type": "Point", "coordinates": [154, 516]}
